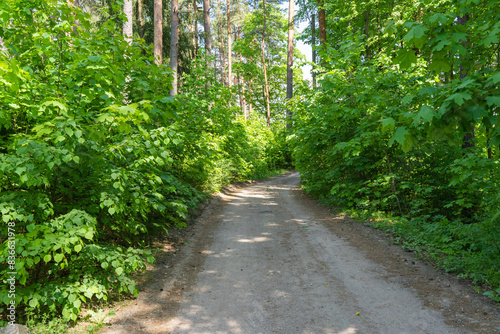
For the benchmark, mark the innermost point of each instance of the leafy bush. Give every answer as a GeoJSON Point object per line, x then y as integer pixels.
{"type": "Point", "coordinates": [408, 130]}
{"type": "Point", "coordinates": [96, 158]}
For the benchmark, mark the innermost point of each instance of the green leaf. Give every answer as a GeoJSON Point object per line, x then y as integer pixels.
{"type": "Point", "coordinates": [493, 100]}
{"type": "Point", "coordinates": [55, 104]}
{"type": "Point", "coordinates": [119, 270]}
{"type": "Point", "coordinates": [58, 257]}
{"type": "Point", "coordinates": [77, 303]}
{"type": "Point", "coordinates": [426, 114]}
{"type": "Point", "coordinates": [443, 18]}
{"type": "Point", "coordinates": [407, 99]}
{"type": "Point", "coordinates": [494, 79]}
{"type": "Point", "coordinates": [33, 302]}
{"type": "Point", "coordinates": [417, 32]}
{"type": "Point", "coordinates": [78, 248]}
{"type": "Point", "coordinates": [459, 98]}
{"type": "Point", "coordinates": [89, 235]}
{"type": "Point", "coordinates": [405, 58]}
{"type": "Point", "coordinates": [440, 66]}
{"type": "Point", "coordinates": [388, 123]}
{"type": "Point", "coordinates": [111, 210]}
{"type": "Point", "coordinates": [399, 136]}
{"type": "Point", "coordinates": [47, 258]}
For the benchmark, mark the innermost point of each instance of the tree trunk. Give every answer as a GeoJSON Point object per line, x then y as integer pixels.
{"type": "Point", "coordinates": [174, 44]}
{"type": "Point", "coordinates": [367, 33]}
{"type": "Point", "coordinates": [158, 32]}
{"type": "Point", "coordinates": [222, 50]}
{"type": "Point", "coordinates": [195, 30]}
{"type": "Point", "coordinates": [241, 82]}
{"type": "Point", "coordinates": [468, 140]}
{"type": "Point", "coordinates": [140, 17]}
{"type": "Point", "coordinates": [289, 61]}
{"type": "Point", "coordinates": [313, 43]}
{"type": "Point", "coordinates": [266, 85]}
{"type": "Point", "coordinates": [229, 49]}
{"type": "Point", "coordinates": [127, 25]}
{"type": "Point", "coordinates": [322, 24]}
{"type": "Point", "coordinates": [206, 26]}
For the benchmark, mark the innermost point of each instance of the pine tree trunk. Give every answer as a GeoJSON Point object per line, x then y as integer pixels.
{"type": "Point", "coordinates": [174, 44]}
{"type": "Point", "coordinates": [140, 17]}
{"type": "Point", "coordinates": [206, 26]}
{"type": "Point", "coordinates": [127, 25]}
{"type": "Point", "coordinates": [195, 28]}
{"type": "Point", "coordinates": [158, 31]}
{"type": "Point", "coordinates": [289, 61]}
{"type": "Point", "coordinates": [229, 49]}
{"type": "Point", "coordinates": [322, 24]}
{"type": "Point", "coordinates": [313, 43]}
{"type": "Point", "coordinates": [266, 85]}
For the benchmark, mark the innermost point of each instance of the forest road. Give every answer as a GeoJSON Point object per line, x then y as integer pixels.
{"type": "Point", "coordinates": [268, 259]}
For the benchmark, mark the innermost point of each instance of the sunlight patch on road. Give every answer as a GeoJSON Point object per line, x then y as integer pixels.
{"type": "Point", "coordinates": [256, 239]}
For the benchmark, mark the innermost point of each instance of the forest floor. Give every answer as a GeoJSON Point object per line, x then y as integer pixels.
{"type": "Point", "coordinates": [265, 258]}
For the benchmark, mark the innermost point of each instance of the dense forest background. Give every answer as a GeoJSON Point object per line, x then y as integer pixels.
{"type": "Point", "coordinates": [117, 118]}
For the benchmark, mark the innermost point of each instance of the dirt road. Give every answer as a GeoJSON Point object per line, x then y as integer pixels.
{"type": "Point", "coordinates": [266, 259]}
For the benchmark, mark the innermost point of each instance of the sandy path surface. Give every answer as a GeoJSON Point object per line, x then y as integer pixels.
{"type": "Point", "coordinates": [266, 260]}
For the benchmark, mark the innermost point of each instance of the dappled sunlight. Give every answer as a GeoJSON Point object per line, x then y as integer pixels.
{"type": "Point", "coordinates": [256, 239]}
{"type": "Point", "coordinates": [350, 330]}
{"type": "Point", "coordinates": [226, 253]}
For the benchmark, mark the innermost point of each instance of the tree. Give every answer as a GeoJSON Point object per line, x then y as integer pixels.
{"type": "Point", "coordinates": [127, 25]}
{"type": "Point", "coordinates": [140, 17]}
{"type": "Point", "coordinates": [206, 25]}
{"type": "Point", "coordinates": [195, 28]}
{"type": "Point", "coordinates": [322, 24]}
{"type": "Point", "coordinates": [174, 44]}
{"type": "Point", "coordinates": [229, 52]}
{"type": "Point", "coordinates": [158, 31]}
{"type": "Point", "coordinates": [266, 84]}
{"type": "Point", "coordinates": [289, 61]}
{"type": "Point", "coordinates": [313, 44]}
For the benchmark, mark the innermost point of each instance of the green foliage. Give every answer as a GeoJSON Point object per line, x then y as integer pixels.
{"type": "Point", "coordinates": [403, 87]}
{"type": "Point", "coordinates": [96, 159]}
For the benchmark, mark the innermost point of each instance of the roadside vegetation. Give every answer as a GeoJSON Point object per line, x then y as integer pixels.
{"type": "Point", "coordinates": [404, 126]}
{"type": "Point", "coordinates": [119, 117]}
